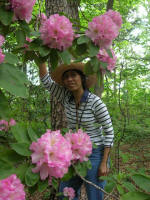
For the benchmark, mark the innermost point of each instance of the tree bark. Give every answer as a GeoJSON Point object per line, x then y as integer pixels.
{"type": "Point", "coordinates": [70, 9]}
{"type": "Point", "coordinates": [110, 4]}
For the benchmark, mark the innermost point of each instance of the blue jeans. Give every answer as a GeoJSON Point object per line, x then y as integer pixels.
{"type": "Point", "coordinates": [92, 175]}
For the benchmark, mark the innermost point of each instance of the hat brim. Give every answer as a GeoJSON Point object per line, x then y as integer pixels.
{"type": "Point", "coordinates": [59, 71]}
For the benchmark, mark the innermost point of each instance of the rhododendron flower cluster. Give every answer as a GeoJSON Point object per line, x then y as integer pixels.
{"type": "Point", "coordinates": [2, 56]}
{"type": "Point", "coordinates": [69, 192]}
{"type": "Point", "coordinates": [22, 9]}
{"type": "Point", "coordinates": [5, 125]}
{"type": "Point", "coordinates": [104, 28]}
{"type": "Point", "coordinates": [56, 32]}
{"type": "Point", "coordinates": [52, 155]}
{"type": "Point", "coordinates": [81, 145]}
{"type": "Point", "coordinates": [104, 57]}
{"type": "Point", "coordinates": [11, 189]}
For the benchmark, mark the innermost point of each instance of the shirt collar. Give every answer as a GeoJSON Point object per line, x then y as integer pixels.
{"type": "Point", "coordinates": [83, 98]}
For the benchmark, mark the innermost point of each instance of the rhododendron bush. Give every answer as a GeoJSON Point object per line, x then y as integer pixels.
{"type": "Point", "coordinates": [43, 160]}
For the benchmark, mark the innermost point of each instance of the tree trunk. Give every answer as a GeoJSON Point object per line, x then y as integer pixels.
{"type": "Point", "coordinates": [70, 9]}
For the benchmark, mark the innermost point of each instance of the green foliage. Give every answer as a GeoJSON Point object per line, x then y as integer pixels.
{"type": "Point", "coordinates": [42, 185]}
{"type": "Point", "coordinates": [13, 80]}
{"type": "Point", "coordinates": [82, 167]}
{"type": "Point", "coordinates": [31, 178]}
{"type": "Point", "coordinates": [21, 148]}
{"type": "Point", "coordinates": [126, 93]}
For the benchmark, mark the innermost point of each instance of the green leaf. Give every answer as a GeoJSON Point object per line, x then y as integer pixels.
{"type": "Point", "coordinates": [103, 64]}
{"type": "Point", "coordinates": [120, 189]}
{"type": "Point", "coordinates": [21, 170]}
{"type": "Point", "coordinates": [20, 133]}
{"type": "Point", "coordinates": [81, 49]}
{"type": "Point", "coordinates": [81, 168]}
{"type": "Point", "coordinates": [110, 186]}
{"type": "Point", "coordinates": [21, 148]}
{"type": "Point", "coordinates": [25, 27]}
{"type": "Point", "coordinates": [34, 33]}
{"type": "Point", "coordinates": [142, 181]}
{"type": "Point", "coordinates": [95, 64]}
{"type": "Point", "coordinates": [31, 178]}
{"type": "Point", "coordinates": [33, 136]}
{"type": "Point", "coordinates": [69, 174]}
{"type": "Point", "coordinates": [94, 145]}
{"type": "Point", "coordinates": [83, 39]}
{"type": "Point", "coordinates": [13, 80]}
{"type": "Point", "coordinates": [6, 16]}
{"type": "Point", "coordinates": [28, 55]}
{"type": "Point", "coordinates": [88, 68]}
{"type": "Point", "coordinates": [65, 56]}
{"type": "Point", "coordinates": [9, 155]}
{"type": "Point", "coordinates": [4, 106]}
{"type": "Point", "coordinates": [35, 44]}
{"type": "Point", "coordinates": [6, 169]}
{"type": "Point", "coordinates": [54, 58]}
{"type": "Point", "coordinates": [129, 186]}
{"type": "Point", "coordinates": [42, 185]}
{"type": "Point", "coordinates": [135, 196]}
{"type": "Point", "coordinates": [55, 183]}
{"type": "Point", "coordinates": [20, 37]}
{"type": "Point", "coordinates": [11, 58]}
{"type": "Point", "coordinates": [44, 51]}
{"type": "Point", "coordinates": [109, 53]}
{"type": "Point", "coordinates": [93, 50]}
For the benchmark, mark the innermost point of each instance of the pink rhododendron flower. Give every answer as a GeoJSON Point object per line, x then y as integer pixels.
{"type": "Point", "coordinates": [104, 57]}
{"type": "Point", "coordinates": [52, 155]}
{"type": "Point", "coordinates": [22, 9]}
{"type": "Point", "coordinates": [11, 189]}
{"type": "Point", "coordinates": [81, 145]}
{"type": "Point", "coordinates": [102, 30]}
{"type": "Point", "coordinates": [116, 17]}
{"type": "Point", "coordinates": [2, 56]}
{"type": "Point", "coordinates": [12, 122]}
{"type": "Point", "coordinates": [56, 32]}
{"type": "Point", "coordinates": [2, 40]}
{"type": "Point", "coordinates": [69, 192]}
{"type": "Point", "coordinates": [5, 125]}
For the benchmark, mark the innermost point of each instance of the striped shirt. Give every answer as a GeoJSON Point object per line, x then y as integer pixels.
{"type": "Point", "coordinates": [92, 115]}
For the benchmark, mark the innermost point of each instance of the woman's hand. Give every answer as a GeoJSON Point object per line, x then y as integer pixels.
{"type": "Point", "coordinates": [103, 169]}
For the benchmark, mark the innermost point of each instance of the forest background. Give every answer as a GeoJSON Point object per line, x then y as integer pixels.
{"type": "Point", "coordinates": [126, 90]}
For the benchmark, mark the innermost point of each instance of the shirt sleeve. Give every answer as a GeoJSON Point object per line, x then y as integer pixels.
{"type": "Point", "coordinates": [103, 117]}
{"type": "Point", "coordinates": [55, 89]}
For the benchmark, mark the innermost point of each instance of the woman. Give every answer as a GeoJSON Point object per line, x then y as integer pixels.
{"type": "Point", "coordinates": [83, 110]}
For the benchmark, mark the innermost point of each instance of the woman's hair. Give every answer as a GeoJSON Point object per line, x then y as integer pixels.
{"type": "Point", "coordinates": [82, 75]}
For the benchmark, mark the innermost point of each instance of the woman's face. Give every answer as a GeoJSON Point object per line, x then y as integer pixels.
{"type": "Point", "coordinates": [72, 80]}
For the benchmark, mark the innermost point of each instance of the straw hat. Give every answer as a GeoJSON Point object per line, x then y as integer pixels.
{"type": "Point", "coordinates": [58, 72]}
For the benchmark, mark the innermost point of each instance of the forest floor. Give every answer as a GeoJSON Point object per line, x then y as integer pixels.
{"type": "Point", "coordinates": [132, 156]}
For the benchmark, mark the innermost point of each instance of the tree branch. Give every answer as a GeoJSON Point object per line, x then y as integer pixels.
{"type": "Point", "coordinates": [96, 186]}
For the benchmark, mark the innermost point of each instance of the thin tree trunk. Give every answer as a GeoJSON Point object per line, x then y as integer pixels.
{"type": "Point", "coordinates": [70, 9]}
